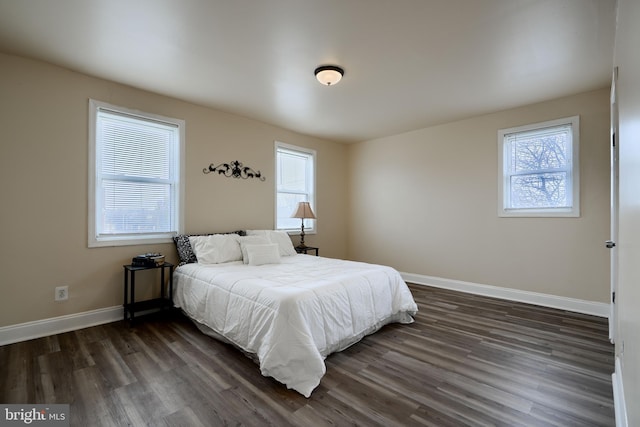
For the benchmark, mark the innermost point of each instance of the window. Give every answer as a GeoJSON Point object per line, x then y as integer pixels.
{"type": "Point", "coordinates": [135, 167]}
{"type": "Point", "coordinates": [295, 182]}
{"type": "Point", "coordinates": [539, 169]}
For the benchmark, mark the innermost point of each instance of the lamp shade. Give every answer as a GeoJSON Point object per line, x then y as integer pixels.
{"type": "Point", "coordinates": [303, 211]}
{"type": "Point", "coordinates": [329, 74]}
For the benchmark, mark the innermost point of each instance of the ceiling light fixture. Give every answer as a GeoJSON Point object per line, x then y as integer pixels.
{"type": "Point", "coordinates": [329, 75]}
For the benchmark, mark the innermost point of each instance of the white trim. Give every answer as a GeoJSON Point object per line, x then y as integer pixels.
{"type": "Point", "coordinates": [94, 241]}
{"type": "Point", "coordinates": [618, 396]}
{"type": "Point", "coordinates": [574, 180]}
{"type": "Point", "coordinates": [56, 325]}
{"type": "Point", "coordinates": [311, 181]}
{"type": "Point", "coordinates": [546, 300]}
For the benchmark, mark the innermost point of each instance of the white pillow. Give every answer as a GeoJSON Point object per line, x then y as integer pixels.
{"type": "Point", "coordinates": [276, 236]}
{"type": "Point", "coordinates": [263, 254]}
{"type": "Point", "coordinates": [216, 249]}
{"type": "Point", "coordinates": [250, 240]}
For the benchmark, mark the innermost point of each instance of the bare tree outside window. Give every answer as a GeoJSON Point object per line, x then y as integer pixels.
{"type": "Point", "coordinates": [539, 169]}
{"type": "Point", "coordinates": [539, 176]}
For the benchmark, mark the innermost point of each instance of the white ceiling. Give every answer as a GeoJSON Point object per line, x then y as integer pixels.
{"type": "Point", "coordinates": [408, 63]}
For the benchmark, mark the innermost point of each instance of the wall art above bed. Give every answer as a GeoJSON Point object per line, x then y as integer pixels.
{"type": "Point", "coordinates": [234, 169]}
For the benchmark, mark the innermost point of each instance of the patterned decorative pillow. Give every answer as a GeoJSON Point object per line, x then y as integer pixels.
{"type": "Point", "coordinates": [185, 251]}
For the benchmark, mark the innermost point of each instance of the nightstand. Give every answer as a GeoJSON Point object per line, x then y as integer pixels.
{"type": "Point", "coordinates": [131, 306]}
{"type": "Point", "coordinates": [306, 249]}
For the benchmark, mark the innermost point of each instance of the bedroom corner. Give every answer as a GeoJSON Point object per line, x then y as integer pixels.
{"type": "Point", "coordinates": [43, 111]}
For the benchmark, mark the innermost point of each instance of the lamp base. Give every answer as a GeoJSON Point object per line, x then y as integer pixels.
{"type": "Point", "coordinates": [302, 245]}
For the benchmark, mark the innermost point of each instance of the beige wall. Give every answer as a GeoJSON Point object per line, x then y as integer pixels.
{"type": "Point", "coordinates": [43, 186]}
{"type": "Point", "coordinates": [425, 202]}
{"type": "Point", "coordinates": [628, 293]}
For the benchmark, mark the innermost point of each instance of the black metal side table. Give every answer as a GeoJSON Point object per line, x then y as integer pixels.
{"type": "Point", "coordinates": [131, 306]}
{"type": "Point", "coordinates": [306, 249]}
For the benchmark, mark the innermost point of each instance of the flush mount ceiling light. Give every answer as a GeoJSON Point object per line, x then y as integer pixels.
{"type": "Point", "coordinates": [329, 75]}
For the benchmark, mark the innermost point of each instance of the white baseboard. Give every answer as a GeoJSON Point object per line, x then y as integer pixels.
{"type": "Point", "coordinates": [56, 325]}
{"type": "Point", "coordinates": [618, 396]}
{"type": "Point", "coordinates": [599, 309]}
{"type": "Point", "coordinates": [45, 327]}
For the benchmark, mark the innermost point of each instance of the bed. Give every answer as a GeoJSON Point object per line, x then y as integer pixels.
{"type": "Point", "coordinates": [287, 311]}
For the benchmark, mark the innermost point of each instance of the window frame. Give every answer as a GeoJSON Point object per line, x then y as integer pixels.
{"type": "Point", "coordinates": [94, 240]}
{"type": "Point", "coordinates": [310, 224]}
{"type": "Point", "coordinates": [574, 177]}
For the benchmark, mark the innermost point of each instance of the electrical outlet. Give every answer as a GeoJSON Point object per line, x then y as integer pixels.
{"type": "Point", "coordinates": [62, 293]}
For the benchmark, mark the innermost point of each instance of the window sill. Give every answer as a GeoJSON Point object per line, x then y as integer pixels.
{"type": "Point", "coordinates": [525, 213]}
{"type": "Point", "coordinates": [110, 242]}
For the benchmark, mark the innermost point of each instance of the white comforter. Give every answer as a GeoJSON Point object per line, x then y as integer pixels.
{"type": "Point", "coordinates": [292, 315]}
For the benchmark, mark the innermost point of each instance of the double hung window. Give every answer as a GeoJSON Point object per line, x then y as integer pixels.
{"type": "Point", "coordinates": [539, 174]}
{"type": "Point", "coordinates": [135, 168]}
{"type": "Point", "coordinates": [295, 182]}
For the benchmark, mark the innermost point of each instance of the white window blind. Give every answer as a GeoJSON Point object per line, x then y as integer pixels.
{"type": "Point", "coordinates": [294, 183]}
{"type": "Point", "coordinates": [137, 177]}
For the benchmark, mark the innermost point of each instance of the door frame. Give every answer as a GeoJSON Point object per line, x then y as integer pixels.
{"type": "Point", "coordinates": [612, 244]}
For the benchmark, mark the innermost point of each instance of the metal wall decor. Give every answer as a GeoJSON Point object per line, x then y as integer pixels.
{"type": "Point", "coordinates": [234, 169]}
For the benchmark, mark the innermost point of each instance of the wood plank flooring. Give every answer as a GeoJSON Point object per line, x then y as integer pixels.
{"type": "Point", "coordinates": [466, 361]}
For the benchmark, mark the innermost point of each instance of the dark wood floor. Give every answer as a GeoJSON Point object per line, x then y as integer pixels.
{"type": "Point", "coordinates": [467, 360]}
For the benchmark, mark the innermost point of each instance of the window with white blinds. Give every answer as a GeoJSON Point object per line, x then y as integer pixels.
{"type": "Point", "coordinates": [295, 182]}
{"type": "Point", "coordinates": [135, 176]}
